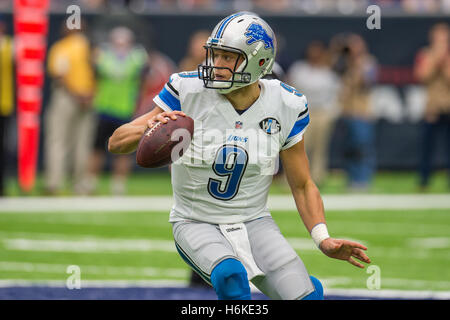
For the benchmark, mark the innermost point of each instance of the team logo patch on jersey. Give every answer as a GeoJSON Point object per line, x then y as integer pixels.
{"type": "Point", "coordinates": [255, 32]}
{"type": "Point", "coordinates": [270, 125]}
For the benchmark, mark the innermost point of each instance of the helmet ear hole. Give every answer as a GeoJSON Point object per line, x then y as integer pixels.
{"type": "Point", "coordinates": [261, 62]}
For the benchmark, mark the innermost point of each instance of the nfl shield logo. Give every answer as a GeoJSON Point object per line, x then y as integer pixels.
{"type": "Point", "coordinates": [238, 125]}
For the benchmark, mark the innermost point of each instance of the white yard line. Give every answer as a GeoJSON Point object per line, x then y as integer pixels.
{"type": "Point", "coordinates": [429, 243]}
{"type": "Point", "coordinates": [94, 245]}
{"type": "Point", "coordinates": [88, 244]}
{"type": "Point", "coordinates": [93, 269]}
{"type": "Point", "coordinates": [98, 283]}
{"type": "Point", "coordinates": [329, 283]}
{"type": "Point", "coordinates": [64, 243]}
{"type": "Point", "coordinates": [164, 203]}
{"type": "Point", "coordinates": [370, 202]}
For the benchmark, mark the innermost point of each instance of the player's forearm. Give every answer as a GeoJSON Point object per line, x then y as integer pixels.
{"type": "Point", "coordinates": [309, 204]}
{"type": "Point", "coordinates": [126, 138]}
{"type": "Point", "coordinates": [306, 194]}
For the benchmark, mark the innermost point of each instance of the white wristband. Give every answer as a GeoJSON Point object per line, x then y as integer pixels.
{"type": "Point", "coordinates": [319, 233]}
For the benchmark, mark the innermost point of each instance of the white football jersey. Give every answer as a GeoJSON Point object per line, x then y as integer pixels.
{"type": "Point", "coordinates": [224, 175]}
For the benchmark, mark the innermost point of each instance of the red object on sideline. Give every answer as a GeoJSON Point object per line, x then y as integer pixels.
{"type": "Point", "coordinates": [30, 33]}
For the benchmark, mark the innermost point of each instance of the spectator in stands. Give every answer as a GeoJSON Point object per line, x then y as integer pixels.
{"type": "Point", "coordinates": [272, 6]}
{"type": "Point", "coordinates": [69, 118]}
{"type": "Point", "coordinates": [432, 68]}
{"type": "Point", "coordinates": [119, 67]}
{"type": "Point", "coordinates": [358, 70]}
{"type": "Point", "coordinates": [419, 6]}
{"type": "Point", "coordinates": [196, 53]}
{"type": "Point", "coordinates": [196, 4]}
{"type": "Point", "coordinates": [315, 78]}
{"type": "Point", "coordinates": [158, 69]}
{"type": "Point", "coordinates": [6, 96]}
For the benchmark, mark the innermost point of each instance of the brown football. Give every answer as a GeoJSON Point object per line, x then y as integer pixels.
{"type": "Point", "coordinates": [155, 147]}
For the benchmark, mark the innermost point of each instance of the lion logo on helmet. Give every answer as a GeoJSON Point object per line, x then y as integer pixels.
{"type": "Point", "coordinates": [255, 32]}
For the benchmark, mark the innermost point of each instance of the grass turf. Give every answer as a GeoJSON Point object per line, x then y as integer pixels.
{"type": "Point", "coordinates": [411, 248]}
{"type": "Point", "coordinates": [392, 238]}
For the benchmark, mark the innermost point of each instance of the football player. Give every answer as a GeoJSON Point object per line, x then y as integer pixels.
{"type": "Point", "coordinates": [221, 223]}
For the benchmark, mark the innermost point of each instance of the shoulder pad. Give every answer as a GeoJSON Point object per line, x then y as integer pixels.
{"type": "Point", "coordinates": [292, 97]}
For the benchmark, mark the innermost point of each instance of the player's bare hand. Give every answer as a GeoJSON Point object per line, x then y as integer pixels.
{"type": "Point", "coordinates": [345, 250]}
{"type": "Point", "coordinates": [162, 117]}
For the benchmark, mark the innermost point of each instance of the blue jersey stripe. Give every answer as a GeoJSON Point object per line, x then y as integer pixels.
{"type": "Point", "coordinates": [299, 126]}
{"type": "Point", "coordinates": [169, 99]}
{"type": "Point", "coordinates": [192, 74]}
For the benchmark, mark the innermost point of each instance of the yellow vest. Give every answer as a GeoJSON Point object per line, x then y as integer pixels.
{"type": "Point", "coordinates": [69, 58]}
{"type": "Point", "coordinates": [6, 77]}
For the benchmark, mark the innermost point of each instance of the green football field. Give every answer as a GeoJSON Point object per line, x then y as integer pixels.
{"type": "Point", "coordinates": [410, 249]}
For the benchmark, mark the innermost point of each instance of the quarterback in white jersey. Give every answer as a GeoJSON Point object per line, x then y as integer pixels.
{"type": "Point", "coordinates": [225, 175]}
{"type": "Point", "coordinates": [221, 224]}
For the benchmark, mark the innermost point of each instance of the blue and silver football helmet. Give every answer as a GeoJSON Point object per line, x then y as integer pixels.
{"type": "Point", "coordinates": [248, 35]}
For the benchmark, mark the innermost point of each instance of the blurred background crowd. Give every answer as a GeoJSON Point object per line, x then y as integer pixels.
{"type": "Point", "coordinates": [108, 71]}
{"type": "Point", "coordinates": [308, 6]}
